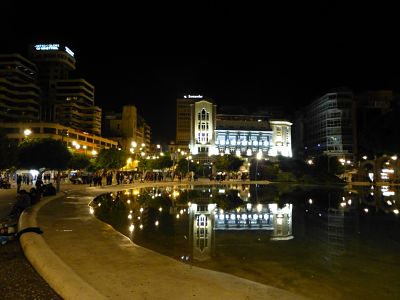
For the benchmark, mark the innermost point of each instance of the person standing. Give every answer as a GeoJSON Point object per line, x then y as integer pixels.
{"type": "Point", "coordinates": [19, 181]}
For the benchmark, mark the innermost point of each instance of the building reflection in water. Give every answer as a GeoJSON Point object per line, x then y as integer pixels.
{"type": "Point", "coordinates": [205, 219]}
{"type": "Point", "coordinates": [346, 234]}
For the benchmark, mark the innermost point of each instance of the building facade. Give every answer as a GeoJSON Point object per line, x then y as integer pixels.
{"type": "Point", "coordinates": [202, 127]}
{"type": "Point", "coordinates": [128, 128]}
{"type": "Point", "coordinates": [64, 100]}
{"type": "Point", "coordinates": [242, 135]}
{"type": "Point", "coordinates": [19, 93]}
{"type": "Point", "coordinates": [329, 125]}
{"type": "Point", "coordinates": [74, 105]}
{"type": "Point", "coordinates": [183, 121]}
{"type": "Point", "coordinates": [77, 140]}
{"type": "Point", "coordinates": [246, 135]}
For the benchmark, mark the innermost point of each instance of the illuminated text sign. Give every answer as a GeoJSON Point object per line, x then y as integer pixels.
{"type": "Point", "coordinates": [47, 46]}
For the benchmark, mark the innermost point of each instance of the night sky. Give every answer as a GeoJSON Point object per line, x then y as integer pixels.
{"type": "Point", "coordinates": [237, 55]}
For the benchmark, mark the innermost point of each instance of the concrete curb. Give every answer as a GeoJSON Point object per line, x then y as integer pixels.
{"type": "Point", "coordinates": [58, 275]}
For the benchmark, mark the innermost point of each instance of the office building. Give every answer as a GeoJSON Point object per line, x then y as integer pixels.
{"type": "Point", "coordinates": [64, 100]}
{"type": "Point", "coordinates": [74, 105]}
{"type": "Point", "coordinates": [329, 125]}
{"type": "Point", "coordinates": [19, 93]}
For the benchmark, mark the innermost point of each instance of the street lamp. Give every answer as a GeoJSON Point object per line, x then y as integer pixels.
{"type": "Point", "coordinates": [258, 157]}
{"type": "Point", "coordinates": [64, 132]}
{"type": "Point", "coordinates": [188, 159]}
{"type": "Point", "coordinates": [27, 132]}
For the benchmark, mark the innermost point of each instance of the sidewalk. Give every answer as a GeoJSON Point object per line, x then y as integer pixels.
{"type": "Point", "coordinates": [84, 258]}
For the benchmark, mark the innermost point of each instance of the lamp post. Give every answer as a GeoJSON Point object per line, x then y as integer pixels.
{"type": "Point", "coordinates": [64, 132]}
{"type": "Point", "coordinates": [258, 157]}
{"type": "Point", "coordinates": [188, 159]}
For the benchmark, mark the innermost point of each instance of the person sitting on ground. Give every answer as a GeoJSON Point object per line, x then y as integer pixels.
{"type": "Point", "coordinates": [23, 201]}
{"type": "Point", "coordinates": [35, 196]}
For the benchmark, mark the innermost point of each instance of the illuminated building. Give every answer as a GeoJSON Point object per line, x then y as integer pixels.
{"type": "Point", "coordinates": [212, 133]}
{"type": "Point", "coordinates": [77, 140]}
{"type": "Point", "coordinates": [127, 127]}
{"type": "Point", "coordinates": [203, 125]}
{"type": "Point", "coordinates": [249, 134]}
{"type": "Point", "coordinates": [74, 105]}
{"type": "Point", "coordinates": [64, 100]}
{"type": "Point", "coordinates": [329, 125]}
{"type": "Point", "coordinates": [19, 94]}
{"type": "Point", "coordinates": [183, 122]}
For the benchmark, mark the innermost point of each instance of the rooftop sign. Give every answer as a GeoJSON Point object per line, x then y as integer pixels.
{"type": "Point", "coordinates": [193, 96]}
{"type": "Point", "coordinates": [47, 46]}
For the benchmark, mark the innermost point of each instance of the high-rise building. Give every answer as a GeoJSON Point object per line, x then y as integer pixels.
{"type": "Point", "coordinates": [74, 105]}
{"type": "Point", "coordinates": [19, 93]}
{"type": "Point", "coordinates": [54, 62]}
{"type": "Point", "coordinates": [183, 121]}
{"type": "Point", "coordinates": [64, 100]}
{"type": "Point", "coordinates": [329, 125]}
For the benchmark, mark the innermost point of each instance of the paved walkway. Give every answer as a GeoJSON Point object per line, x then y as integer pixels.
{"type": "Point", "coordinates": [84, 258]}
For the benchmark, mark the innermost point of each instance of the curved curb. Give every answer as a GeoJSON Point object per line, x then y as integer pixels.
{"type": "Point", "coordinates": [54, 271]}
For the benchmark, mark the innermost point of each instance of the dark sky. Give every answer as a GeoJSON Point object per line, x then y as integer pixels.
{"type": "Point", "coordinates": [237, 54]}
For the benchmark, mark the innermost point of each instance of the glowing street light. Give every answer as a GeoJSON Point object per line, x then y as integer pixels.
{"type": "Point", "coordinates": [27, 132]}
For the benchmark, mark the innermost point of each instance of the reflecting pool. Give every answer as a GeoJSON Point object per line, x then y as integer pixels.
{"type": "Point", "coordinates": [323, 243]}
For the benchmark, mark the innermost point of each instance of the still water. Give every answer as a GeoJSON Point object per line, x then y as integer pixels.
{"type": "Point", "coordinates": [322, 243]}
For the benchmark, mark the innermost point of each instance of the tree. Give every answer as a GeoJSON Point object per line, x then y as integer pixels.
{"type": "Point", "coordinates": [79, 161]}
{"type": "Point", "coordinates": [228, 163]}
{"type": "Point", "coordinates": [162, 162]}
{"type": "Point", "coordinates": [7, 151]}
{"type": "Point", "coordinates": [111, 159]}
{"type": "Point", "coordinates": [328, 164]}
{"type": "Point", "coordinates": [44, 153]}
{"type": "Point", "coordinates": [183, 164]}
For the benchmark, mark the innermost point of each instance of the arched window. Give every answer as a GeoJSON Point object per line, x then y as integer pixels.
{"type": "Point", "coordinates": [203, 114]}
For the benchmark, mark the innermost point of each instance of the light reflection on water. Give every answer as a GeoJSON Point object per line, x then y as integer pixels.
{"type": "Point", "coordinates": [321, 243]}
